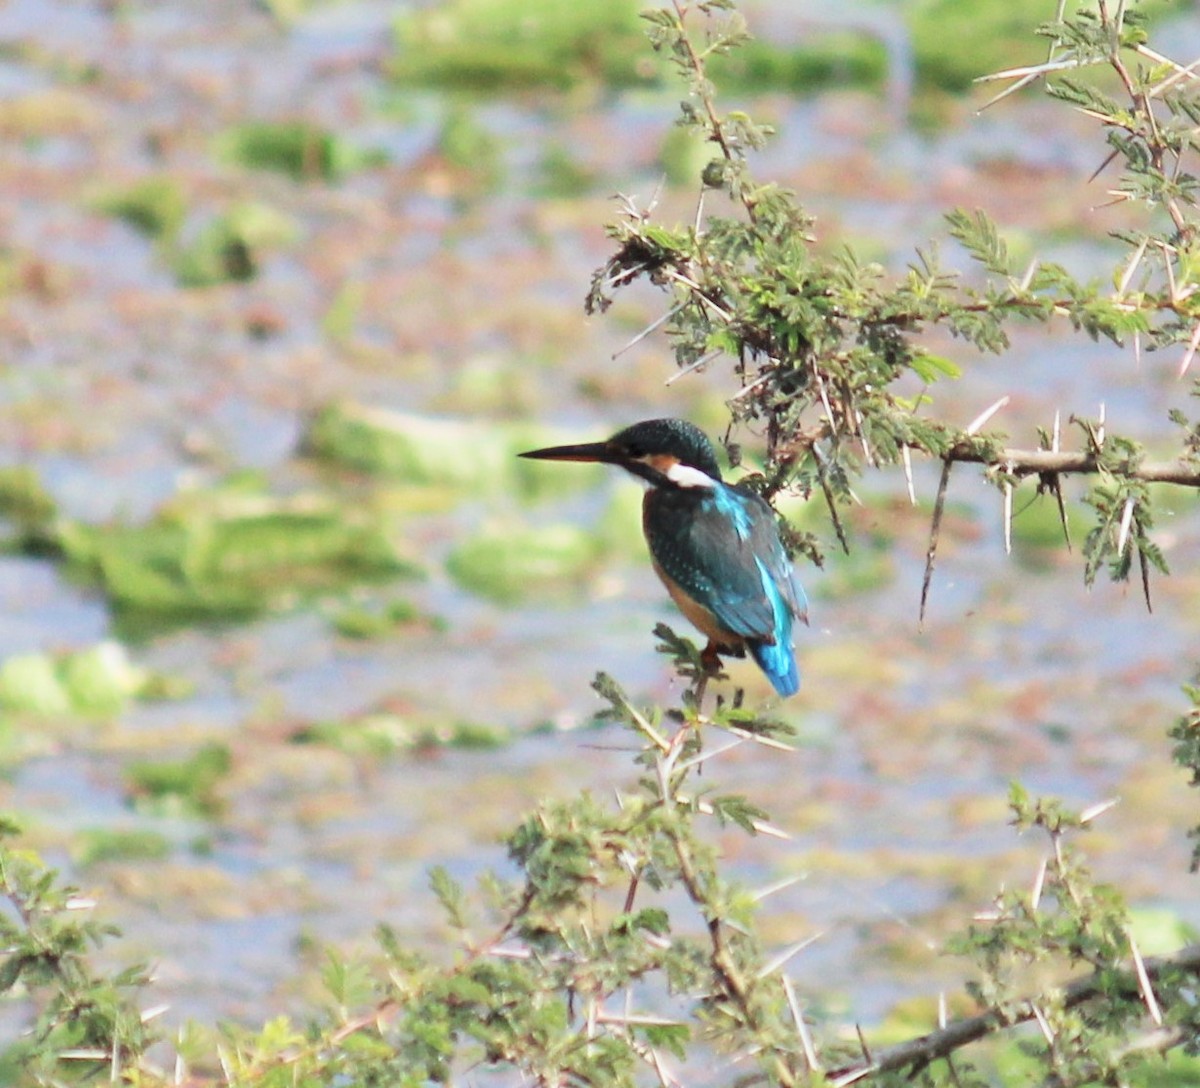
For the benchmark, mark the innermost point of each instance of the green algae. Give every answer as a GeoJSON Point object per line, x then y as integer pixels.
{"type": "Point", "coordinates": [683, 155]}
{"type": "Point", "coordinates": [187, 786]}
{"type": "Point", "coordinates": [101, 680]}
{"type": "Point", "coordinates": [508, 564]}
{"type": "Point", "coordinates": [364, 622]}
{"type": "Point", "coordinates": [232, 246]}
{"type": "Point", "coordinates": [227, 555]}
{"type": "Point", "coordinates": [955, 43]}
{"type": "Point", "coordinates": [1159, 931]}
{"type": "Point", "coordinates": [95, 845]}
{"type": "Point", "coordinates": [300, 150]}
{"type": "Point", "coordinates": [487, 45]}
{"type": "Point", "coordinates": [24, 501]}
{"type": "Point", "coordinates": [467, 145]}
{"type": "Point", "coordinates": [1038, 540]}
{"type": "Point", "coordinates": [834, 58]}
{"type": "Point", "coordinates": [514, 45]}
{"type": "Point", "coordinates": [156, 206]}
{"type": "Point", "coordinates": [31, 684]}
{"type": "Point", "coordinates": [864, 570]}
{"type": "Point", "coordinates": [561, 175]}
{"type": "Point", "coordinates": [97, 682]}
{"type": "Point", "coordinates": [492, 386]}
{"type": "Point", "coordinates": [374, 736]}
{"type": "Point", "coordinates": [380, 734]}
{"type": "Point", "coordinates": [466, 456]}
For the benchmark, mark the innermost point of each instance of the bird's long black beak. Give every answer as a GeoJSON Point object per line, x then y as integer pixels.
{"type": "Point", "coordinates": [586, 451]}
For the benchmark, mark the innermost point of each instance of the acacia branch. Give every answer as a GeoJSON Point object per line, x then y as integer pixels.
{"type": "Point", "coordinates": [919, 1053]}
{"type": "Point", "coordinates": [1183, 470]}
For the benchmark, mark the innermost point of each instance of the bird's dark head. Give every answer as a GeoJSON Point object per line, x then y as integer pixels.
{"type": "Point", "coordinates": [664, 452]}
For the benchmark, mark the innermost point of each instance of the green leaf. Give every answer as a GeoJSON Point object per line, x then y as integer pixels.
{"type": "Point", "coordinates": [979, 236]}
{"type": "Point", "coordinates": [736, 809]}
{"type": "Point", "coordinates": [929, 368]}
{"type": "Point", "coordinates": [449, 894]}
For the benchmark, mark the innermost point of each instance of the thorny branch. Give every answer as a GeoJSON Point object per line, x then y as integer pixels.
{"type": "Point", "coordinates": [917, 1054]}
{"type": "Point", "coordinates": [819, 343]}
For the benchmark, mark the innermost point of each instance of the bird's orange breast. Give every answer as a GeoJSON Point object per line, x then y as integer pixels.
{"type": "Point", "coordinates": [699, 616]}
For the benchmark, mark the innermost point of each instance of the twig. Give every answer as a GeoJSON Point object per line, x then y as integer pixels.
{"type": "Point", "coordinates": [935, 526]}
{"type": "Point", "coordinates": [823, 478]}
{"type": "Point", "coordinates": [699, 364]}
{"type": "Point", "coordinates": [662, 319]}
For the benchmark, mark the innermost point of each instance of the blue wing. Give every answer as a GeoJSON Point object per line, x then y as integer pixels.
{"type": "Point", "coordinates": [721, 548]}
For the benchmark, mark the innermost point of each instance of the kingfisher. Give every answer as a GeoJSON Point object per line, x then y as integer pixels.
{"type": "Point", "coordinates": [716, 546]}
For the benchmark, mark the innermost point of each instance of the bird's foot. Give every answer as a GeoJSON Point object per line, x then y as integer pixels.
{"type": "Point", "coordinates": [710, 658]}
{"type": "Point", "coordinates": [714, 669]}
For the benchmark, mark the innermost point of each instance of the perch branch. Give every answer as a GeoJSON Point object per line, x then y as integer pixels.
{"type": "Point", "coordinates": [1180, 471]}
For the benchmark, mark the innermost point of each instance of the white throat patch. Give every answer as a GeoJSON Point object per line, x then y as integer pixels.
{"type": "Point", "coordinates": [685, 476]}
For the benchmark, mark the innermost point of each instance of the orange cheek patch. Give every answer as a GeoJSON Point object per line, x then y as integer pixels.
{"type": "Point", "coordinates": [662, 462]}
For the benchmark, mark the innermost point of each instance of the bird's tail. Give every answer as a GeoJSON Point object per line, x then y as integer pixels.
{"type": "Point", "coordinates": [778, 661]}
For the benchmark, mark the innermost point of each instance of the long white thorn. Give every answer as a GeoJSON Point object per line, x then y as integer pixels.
{"type": "Point", "coordinates": [1126, 522]}
{"type": "Point", "coordinates": [1144, 981]}
{"type": "Point", "coordinates": [975, 424]}
{"type": "Point", "coordinates": [1190, 354]}
{"type": "Point", "coordinates": [810, 1051]}
{"type": "Point", "coordinates": [787, 954]}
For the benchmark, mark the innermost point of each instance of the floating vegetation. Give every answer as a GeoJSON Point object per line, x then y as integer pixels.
{"type": "Point", "coordinates": [955, 43]}
{"type": "Point", "coordinates": [1037, 528]}
{"type": "Point", "coordinates": [296, 148]}
{"type": "Point", "coordinates": [508, 563]}
{"type": "Point", "coordinates": [360, 621]}
{"type": "Point", "coordinates": [1160, 931]}
{"type": "Point", "coordinates": [30, 684]}
{"type": "Point", "coordinates": [94, 845]}
{"type": "Point", "coordinates": [226, 555]}
{"type": "Point", "coordinates": [185, 787]}
{"type": "Point", "coordinates": [488, 45]}
{"type": "Point", "coordinates": [833, 58]}
{"type": "Point", "coordinates": [865, 569]}
{"type": "Point", "coordinates": [156, 206]}
{"type": "Point", "coordinates": [471, 150]}
{"type": "Point", "coordinates": [683, 156]}
{"type": "Point", "coordinates": [373, 736]}
{"type": "Point", "coordinates": [492, 44]}
{"type": "Point", "coordinates": [494, 385]}
{"type": "Point", "coordinates": [380, 734]}
{"type": "Point", "coordinates": [98, 682]}
{"type": "Point", "coordinates": [24, 502]}
{"type": "Point", "coordinates": [233, 246]}
{"type": "Point", "coordinates": [560, 175]}
{"type": "Point", "coordinates": [467, 456]}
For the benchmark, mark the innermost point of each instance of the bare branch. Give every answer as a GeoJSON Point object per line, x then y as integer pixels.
{"type": "Point", "coordinates": [1183, 471]}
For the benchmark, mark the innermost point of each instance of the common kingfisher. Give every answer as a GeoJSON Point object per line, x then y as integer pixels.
{"type": "Point", "coordinates": [715, 546]}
